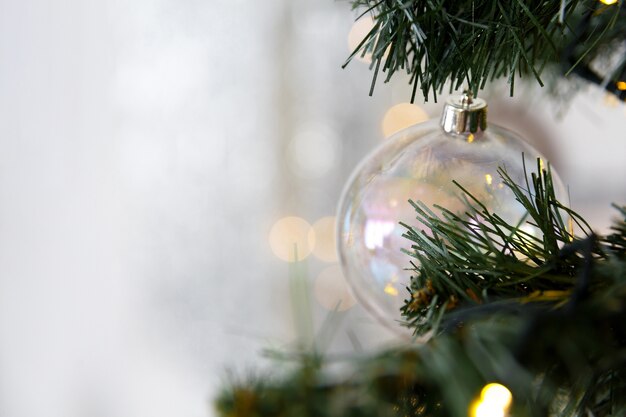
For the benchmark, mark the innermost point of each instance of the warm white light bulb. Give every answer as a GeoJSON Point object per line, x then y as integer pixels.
{"type": "Point", "coordinates": [495, 401]}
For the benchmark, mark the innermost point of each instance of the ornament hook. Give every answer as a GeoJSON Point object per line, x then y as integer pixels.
{"type": "Point", "coordinates": [467, 98]}
{"type": "Point", "coordinates": [464, 115]}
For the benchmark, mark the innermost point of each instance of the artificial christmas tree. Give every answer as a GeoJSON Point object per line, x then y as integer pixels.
{"type": "Point", "coordinates": [524, 316]}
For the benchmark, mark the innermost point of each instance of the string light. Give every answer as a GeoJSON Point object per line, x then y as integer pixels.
{"type": "Point", "coordinates": [621, 85]}
{"type": "Point", "coordinates": [488, 179]}
{"type": "Point", "coordinates": [494, 401]}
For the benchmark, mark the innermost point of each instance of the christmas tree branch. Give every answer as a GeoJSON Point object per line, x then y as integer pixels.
{"type": "Point", "coordinates": [566, 362]}
{"type": "Point", "coordinates": [471, 42]}
{"type": "Point", "coordinates": [542, 316]}
{"type": "Point", "coordinates": [476, 257]}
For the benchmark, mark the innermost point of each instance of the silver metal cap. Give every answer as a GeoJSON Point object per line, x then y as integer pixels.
{"type": "Point", "coordinates": [464, 115]}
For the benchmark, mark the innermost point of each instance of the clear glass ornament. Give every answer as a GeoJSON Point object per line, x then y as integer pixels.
{"type": "Point", "coordinates": [419, 163]}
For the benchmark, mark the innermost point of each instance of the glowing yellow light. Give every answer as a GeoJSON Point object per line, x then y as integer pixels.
{"type": "Point", "coordinates": [608, 2]}
{"type": "Point", "coordinates": [323, 232]}
{"type": "Point", "coordinates": [331, 291]}
{"type": "Point", "coordinates": [484, 409]}
{"type": "Point", "coordinates": [497, 394]}
{"type": "Point", "coordinates": [290, 239]}
{"type": "Point", "coordinates": [495, 401]}
{"type": "Point", "coordinates": [470, 138]}
{"type": "Point", "coordinates": [621, 85]}
{"type": "Point", "coordinates": [488, 179]}
{"type": "Point", "coordinates": [402, 116]}
{"type": "Point", "coordinates": [391, 290]}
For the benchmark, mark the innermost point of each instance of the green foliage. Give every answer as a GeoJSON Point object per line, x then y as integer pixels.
{"type": "Point", "coordinates": [471, 42]}
{"type": "Point", "coordinates": [476, 257]}
{"type": "Point", "coordinates": [545, 318]}
{"type": "Point", "coordinates": [565, 363]}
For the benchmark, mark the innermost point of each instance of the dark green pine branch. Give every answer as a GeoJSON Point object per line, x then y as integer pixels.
{"type": "Point", "coordinates": [476, 257]}
{"type": "Point", "coordinates": [473, 42]}
{"type": "Point", "coordinates": [543, 316]}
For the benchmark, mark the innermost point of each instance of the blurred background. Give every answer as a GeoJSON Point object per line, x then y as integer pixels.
{"type": "Point", "coordinates": [155, 158]}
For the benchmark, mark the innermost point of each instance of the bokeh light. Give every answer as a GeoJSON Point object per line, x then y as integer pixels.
{"type": "Point", "coordinates": [608, 2]}
{"type": "Point", "coordinates": [495, 401]}
{"type": "Point", "coordinates": [291, 240]}
{"type": "Point", "coordinates": [357, 33]}
{"type": "Point", "coordinates": [331, 290]}
{"type": "Point", "coordinates": [313, 152]}
{"type": "Point", "coordinates": [325, 240]}
{"type": "Point", "coordinates": [497, 394]}
{"type": "Point", "coordinates": [402, 116]}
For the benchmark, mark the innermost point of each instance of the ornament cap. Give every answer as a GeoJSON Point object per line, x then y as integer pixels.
{"type": "Point", "coordinates": [464, 115]}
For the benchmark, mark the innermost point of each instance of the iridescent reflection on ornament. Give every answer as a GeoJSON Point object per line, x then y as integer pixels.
{"type": "Point", "coordinates": [420, 163]}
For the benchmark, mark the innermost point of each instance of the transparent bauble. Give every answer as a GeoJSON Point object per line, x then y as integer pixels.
{"type": "Point", "coordinates": [420, 163]}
